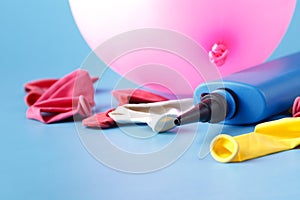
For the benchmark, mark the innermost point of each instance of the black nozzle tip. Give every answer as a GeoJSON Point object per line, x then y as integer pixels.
{"type": "Point", "coordinates": [177, 121]}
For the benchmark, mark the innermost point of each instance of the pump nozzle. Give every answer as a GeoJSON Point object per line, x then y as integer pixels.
{"type": "Point", "coordinates": [213, 108]}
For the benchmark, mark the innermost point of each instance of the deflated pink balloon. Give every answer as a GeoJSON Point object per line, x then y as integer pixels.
{"type": "Point", "coordinates": [234, 34]}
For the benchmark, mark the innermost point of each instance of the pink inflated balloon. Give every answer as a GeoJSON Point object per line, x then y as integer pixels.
{"type": "Point", "coordinates": [235, 34]}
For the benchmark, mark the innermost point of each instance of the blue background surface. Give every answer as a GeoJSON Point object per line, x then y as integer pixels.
{"type": "Point", "coordinates": [39, 39]}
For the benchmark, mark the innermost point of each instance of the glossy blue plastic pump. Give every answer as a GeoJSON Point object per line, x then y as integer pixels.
{"type": "Point", "coordinates": [249, 96]}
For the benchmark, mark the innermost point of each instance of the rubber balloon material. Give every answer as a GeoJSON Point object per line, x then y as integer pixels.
{"type": "Point", "coordinates": [268, 138]}
{"type": "Point", "coordinates": [232, 31]}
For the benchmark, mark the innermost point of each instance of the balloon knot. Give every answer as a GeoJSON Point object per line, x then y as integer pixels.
{"type": "Point", "coordinates": [218, 54]}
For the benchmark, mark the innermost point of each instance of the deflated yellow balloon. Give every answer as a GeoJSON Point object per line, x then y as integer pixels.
{"type": "Point", "coordinates": [267, 138]}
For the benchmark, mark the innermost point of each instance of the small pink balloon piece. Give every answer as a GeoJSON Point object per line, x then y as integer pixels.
{"type": "Point", "coordinates": [296, 107]}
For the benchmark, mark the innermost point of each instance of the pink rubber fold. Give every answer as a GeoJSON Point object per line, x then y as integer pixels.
{"type": "Point", "coordinates": [52, 100]}
{"type": "Point", "coordinates": [296, 107]}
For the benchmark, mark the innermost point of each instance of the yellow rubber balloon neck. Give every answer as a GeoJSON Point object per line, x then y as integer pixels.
{"type": "Point", "coordinates": [224, 148]}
